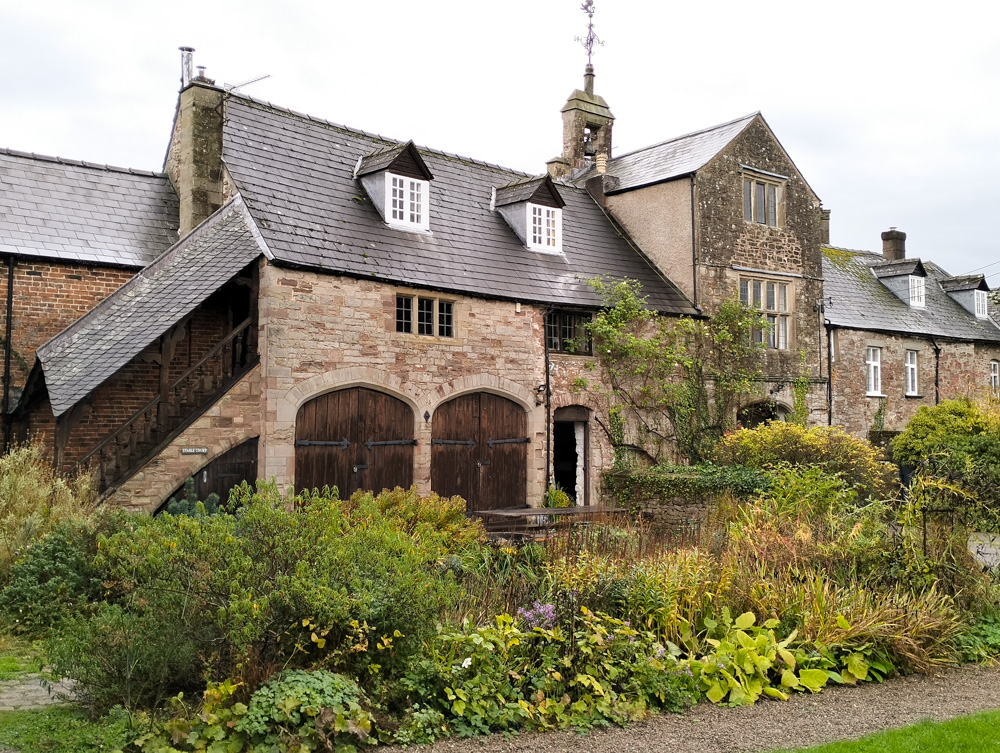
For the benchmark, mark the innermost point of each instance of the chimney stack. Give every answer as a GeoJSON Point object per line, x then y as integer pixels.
{"type": "Point", "coordinates": [893, 244]}
{"type": "Point", "coordinates": [187, 62]}
{"type": "Point", "coordinates": [824, 226]}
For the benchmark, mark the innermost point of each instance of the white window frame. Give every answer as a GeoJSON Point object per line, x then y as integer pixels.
{"type": "Point", "coordinates": [982, 304]}
{"type": "Point", "coordinates": [772, 298]}
{"type": "Point", "coordinates": [873, 365]}
{"type": "Point", "coordinates": [911, 373]}
{"type": "Point", "coordinates": [918, 292]}
{"type": "Point", "coordinates": [995, 376]}
{"type": "Point", "coordinates": [407, 202]}
{"type": "Point", "coordinates": [543, 228]}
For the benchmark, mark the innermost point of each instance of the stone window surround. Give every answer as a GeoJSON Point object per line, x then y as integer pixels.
{"type": "Point", "coordinates": [783, 335]}
{"type": "Point", "coordinates": [413, 188]}
{"type": "Point", "coordinates": [415, 296]}
{"type": "Point", "coordinates": [772, 186]}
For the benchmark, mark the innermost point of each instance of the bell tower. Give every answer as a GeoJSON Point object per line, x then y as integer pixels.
{"type": "Point", "coordinates": [587, 121]}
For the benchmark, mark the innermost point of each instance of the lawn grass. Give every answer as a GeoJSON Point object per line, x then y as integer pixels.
{"type": "Point", "coordinates": [978, 733]}
{"type": "Point", "coordinates": [17, 657]}
{"type": "Point", "coordinates": [62, 729]}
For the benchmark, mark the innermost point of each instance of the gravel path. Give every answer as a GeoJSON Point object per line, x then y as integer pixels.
{"type": "Point", "coordinates": [838, 713]}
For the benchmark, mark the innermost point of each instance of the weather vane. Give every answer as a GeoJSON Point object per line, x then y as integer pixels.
{"type": "Point", "coordinates": [591, 39]}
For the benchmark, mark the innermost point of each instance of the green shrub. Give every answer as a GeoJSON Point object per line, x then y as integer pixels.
{"type": "Point", "coordinates": [52, 579]}
{"type": "Point", "coordinates": [189, 504]}
{"type": "Point", "coordinates": [682, 481]}
{"type": "Point", "coordinates": [980, 641]}
{"type": "Point", "coordinates": [33, 499]}
{"type": "Point", "coordinates": [860, 463]}
{"type": "Point", "coordinates": [135, 659]}
{"type": "Point", "coordinates": [958, 440]}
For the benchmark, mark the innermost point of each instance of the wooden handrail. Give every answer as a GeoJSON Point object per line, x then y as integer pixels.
{"type": "Point", "coordinates": [145, 409]}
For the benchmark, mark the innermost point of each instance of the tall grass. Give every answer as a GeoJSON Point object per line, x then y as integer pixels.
{"type": "Point", "coordinates": [34, 498]}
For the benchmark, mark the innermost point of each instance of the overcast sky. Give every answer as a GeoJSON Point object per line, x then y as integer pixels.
{"type": "Point", "coordinates": [889, 109]}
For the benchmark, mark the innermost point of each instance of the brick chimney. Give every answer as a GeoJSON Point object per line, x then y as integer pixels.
{"type": "Point", "coordinates": [893, 244]}
{"type": "Point", "coordinates": [194, 159]}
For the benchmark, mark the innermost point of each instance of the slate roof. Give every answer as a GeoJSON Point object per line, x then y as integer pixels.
{"type": "Point", "coordinates": [295, 174]}
{"type": "Point", "coordinates": [79, 212]}
{"type": "Point", "coordinates": [525, 190]}
{"type": "Point", "coordinates": [857, 299]}
{"type": "Point", "coordinates": [94, 347]}
{"type": "Point", "coordinates": [899, 267]}
{"type": "Point", "coordinates": [965, 282]}
{"type": "Point", "coordinates": [671, 159]}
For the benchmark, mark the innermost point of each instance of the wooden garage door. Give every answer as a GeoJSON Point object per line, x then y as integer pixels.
{"type": "Point", "coordinates": [354, 439]}
{"type": "Point", "coordinates": [479, 451]}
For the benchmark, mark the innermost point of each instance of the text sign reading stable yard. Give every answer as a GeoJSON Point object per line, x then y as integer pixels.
{"type": "Point", "coordinates": [194, 450]}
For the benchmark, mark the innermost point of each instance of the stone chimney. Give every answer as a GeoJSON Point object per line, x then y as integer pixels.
{"type": "Point", "coordinates": [824, 226]}
{"type": "Point", "coordinates": [194, 159]}
{"type": "Point", "coordinates": [587, 123]}
{"type": "Point", "coordinates": [893, 244]}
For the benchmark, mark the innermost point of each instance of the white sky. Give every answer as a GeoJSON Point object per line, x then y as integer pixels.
{"type": "Point", "coordinates": [890, 109]}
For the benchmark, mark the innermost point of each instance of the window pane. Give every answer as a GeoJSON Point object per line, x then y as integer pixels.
{"type": "Point", "coordinates": [446, 327]}
{"type": "Point", "coordinates": [404, 313]}
{"type": "Point", "coordinates": [761, 216]}
{"type": "Point", "coordinates": [757, 294]}
{"type": "Point", "coordinates": [782, 297]}
{"type": "Point", "coordinates": [416, 202]}
{"type": "Point", "coordinates": [772, 206]}
{"type": "Point", "coordinates": [783, 333]}
{"type": "Point", "coordinates": [748, 200]}
{"type": "Point", "coordinates": [425, 316]}
{"type": "Point", "coordinates": [745, 292]}
{"type": "Point", "coordinates": [772, 333]}
{"type": "Point", "coordinates": [536, 226]}
{"type": "Point", "coordinates": [771, 306]}
{"type": "Point", "coordinates": [398, 212]}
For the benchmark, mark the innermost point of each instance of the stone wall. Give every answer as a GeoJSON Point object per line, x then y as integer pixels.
{"type": "Point", "coordinates": [960, 370]}
{"type": "Point", "coordinates": [231, 421]}
{"type": "Point", "coordinates": [321, 333]}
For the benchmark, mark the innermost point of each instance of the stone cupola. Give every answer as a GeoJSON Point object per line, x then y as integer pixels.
{"type": "Point", "coordinates": [587, 123]}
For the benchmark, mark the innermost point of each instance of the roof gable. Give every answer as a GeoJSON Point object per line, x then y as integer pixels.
{"type": "Point", "coordinates": [80, 212]}
{"type": "Point", "coordinates": [402, 159]}
{"type": "Point", "coordinates": [899, 267]}
{"type": "Point", "coordinates": [965, 282]}
{"type": "Point", "coordinates": [536, 190]}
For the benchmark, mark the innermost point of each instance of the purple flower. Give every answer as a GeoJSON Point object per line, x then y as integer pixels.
{"type": "Point", "coordinates": [539, 615]}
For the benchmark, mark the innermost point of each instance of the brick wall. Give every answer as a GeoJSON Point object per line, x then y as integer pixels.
{"type": "Point", "coordinates": [48, 297]}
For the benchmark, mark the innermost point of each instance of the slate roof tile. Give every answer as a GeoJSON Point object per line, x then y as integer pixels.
{"type": "Point", "coordinates": [313, 213]}
{"type": "Point", "coordinates": [679, 156]}
{"type": "Point", "coordinates": [94, 347]}
{"type": "Point", "coordinates": [857, 299]}
{"type": "Point", "coordinates": [55, 200]}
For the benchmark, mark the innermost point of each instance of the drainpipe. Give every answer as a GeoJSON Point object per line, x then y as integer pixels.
{"type": "Point", "coordinates": [694, 247]}
{"type": "Point", "coordinates": [937, 372]}
{"type": "Point", "coordinates": [829, 373]}
{"type": "Point", "coordinates": [550, 481]}
{"type": "Point", "coordinates": [6, 353]}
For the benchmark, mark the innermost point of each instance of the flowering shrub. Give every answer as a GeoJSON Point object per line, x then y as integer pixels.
{"type": "Point", "coordinates": [539, 615]}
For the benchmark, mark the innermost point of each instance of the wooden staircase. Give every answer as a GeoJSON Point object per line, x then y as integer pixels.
{"type": "Point", "coordinates": [151, 428]}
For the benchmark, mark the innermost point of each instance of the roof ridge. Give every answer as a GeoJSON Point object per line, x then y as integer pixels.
{"type": "Point", "coordinates": [687, 135]}
{"type": "Point", "coordinates": [80, 163]}
{"type": "Point", "coordinates": [390, 141]}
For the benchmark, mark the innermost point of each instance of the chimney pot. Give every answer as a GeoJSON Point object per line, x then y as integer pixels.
{"type": "Point", "coordinates": [187, 58]}
{"type": "Point", "coordinates": [602, 164]}
{"type": "Point", "coordinates": [893, 244]}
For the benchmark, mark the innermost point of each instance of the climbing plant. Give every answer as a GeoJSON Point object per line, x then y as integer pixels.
{"type": "Point", "coordinates": [678, 380]}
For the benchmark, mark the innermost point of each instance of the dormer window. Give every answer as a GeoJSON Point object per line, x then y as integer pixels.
{"type": "Point", "coordinates": [406, 200]}
{"type": "Point", "coordinates": [546, 230]}
{"type": "Point", "coordinates": [397, 181]}
{"type": "Point", "coordinates": [533, 209]}
{"type": "Point", "coordinates": [982, 307]}
{"type": "Point", "coordinates": [917, 300]}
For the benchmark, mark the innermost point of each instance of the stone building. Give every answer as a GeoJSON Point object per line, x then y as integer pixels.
{"type": "Point", "coordinates": [346, 309]}
{"type": "Point", "coordinates": [901, 334]}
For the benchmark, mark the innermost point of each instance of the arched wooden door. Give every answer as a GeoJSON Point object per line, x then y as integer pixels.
{"type": "Point", "coordinates": [479, 451]}
{"type": "Point", "coordinates": [354, 438]}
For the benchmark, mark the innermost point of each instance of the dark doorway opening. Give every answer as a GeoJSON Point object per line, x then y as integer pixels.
{"type": "Point", "coordinates": [756, 414]}
{"type": "Point", "coordinates": [570, 469]}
